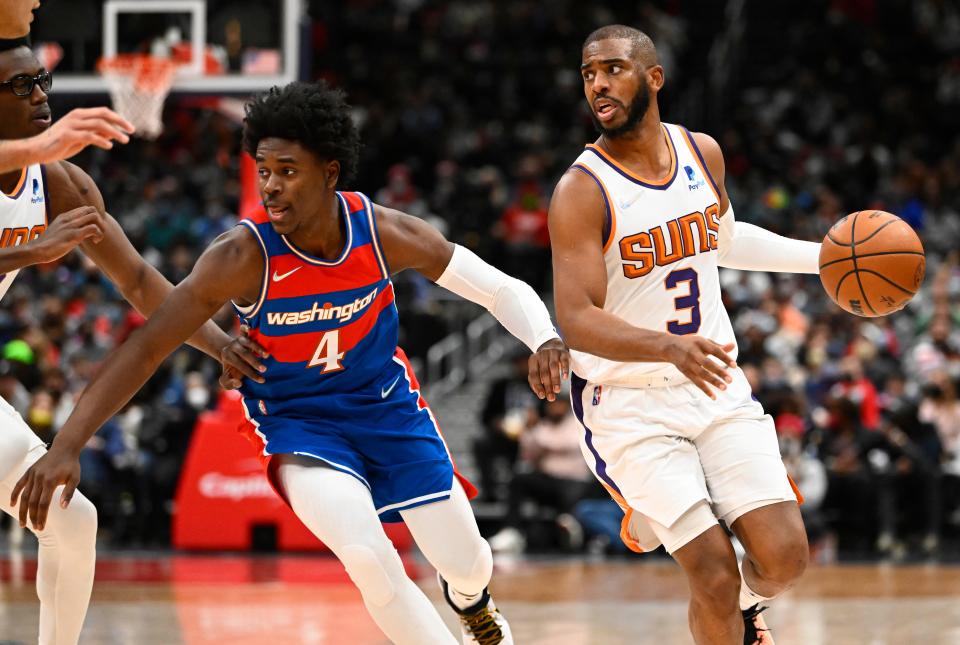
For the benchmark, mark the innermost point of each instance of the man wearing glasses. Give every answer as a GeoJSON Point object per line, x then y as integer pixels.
{"type": "Point", "coordinates": [46, 211]}
{"type": "Point", "coordinates": [80, 128]}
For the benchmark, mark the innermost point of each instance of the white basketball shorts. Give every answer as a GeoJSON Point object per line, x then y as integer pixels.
{"type": "Point", "coordinates": [661, 450]}
{"type": "Point", "coordinates": [19, 448]}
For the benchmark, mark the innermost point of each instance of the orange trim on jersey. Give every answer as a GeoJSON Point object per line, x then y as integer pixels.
{"type": "Point", "coordinates": [628, 539]}
{"type": "Point", "coordinates": [663, 181]}
{"type": "Point", "coordinates": [796, 490]}
{"type": "Point", "coordinates": [16, 190]}
{"type": "Point", "coordinates": [607, 201]}
{"type": "Point", "coordinates": [696, 157]}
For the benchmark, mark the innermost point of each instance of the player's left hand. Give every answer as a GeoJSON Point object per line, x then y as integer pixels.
{"type": "Point", "coordinates": [548, 367]}
{"type": "Point", "coordinates": [35, 488]}
{"type": "Point", "coordinates": [241, 358]}
{"type": "Point", "coordinates": [80, 128]}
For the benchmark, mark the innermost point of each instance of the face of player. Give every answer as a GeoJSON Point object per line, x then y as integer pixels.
{"type": "Point", "coordinates": [295, 184]}
{"type": "Point", "coordinates": [616, 86]}
{"type": "Point", "coordinates": [21, 116]}
{"type": "Point", "coordinates": [16, 16]}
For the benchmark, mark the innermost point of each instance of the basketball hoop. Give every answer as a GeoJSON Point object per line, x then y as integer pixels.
{"type": "Point", "coordinates": [139, 84]}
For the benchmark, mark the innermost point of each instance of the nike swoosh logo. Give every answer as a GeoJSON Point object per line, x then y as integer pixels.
{"type": "Point", "coordinates": [625, 204]}
{"type": "Point", "coordinates": [385, 392]}
{"type": "Point", "coordinates": [277, 277]}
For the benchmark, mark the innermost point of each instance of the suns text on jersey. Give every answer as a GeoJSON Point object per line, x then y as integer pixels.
{"type": "Point", "coordinates": [693, 233]}
{"type": "Point", "coordinates": [20, 235]}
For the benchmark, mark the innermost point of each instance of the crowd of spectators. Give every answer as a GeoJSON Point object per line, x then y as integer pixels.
{"type": "Point", "coordinates": [470, 111]}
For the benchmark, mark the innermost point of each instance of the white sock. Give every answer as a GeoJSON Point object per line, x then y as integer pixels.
{"type": "Point", "coordinates": [344, 519]}
{"type": "Point", "coordinates": [748, 597]}
{"type": "Point", "coordinates": [65, 565]}
{"type": "Point", "coordinates": [447, 534]}
{"type": "Point", "coordinates": [462, 600]}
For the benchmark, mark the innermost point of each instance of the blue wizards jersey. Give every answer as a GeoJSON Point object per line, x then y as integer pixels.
{"type": "Point", "coordinates": [338, 389]}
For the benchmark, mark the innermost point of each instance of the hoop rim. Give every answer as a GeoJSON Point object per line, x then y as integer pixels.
{"type": "Point", "coordinates": [149, 73]}
{"type": "Point", "coordinates": [126, 60]}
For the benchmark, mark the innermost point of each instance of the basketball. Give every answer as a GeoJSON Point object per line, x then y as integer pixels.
{"type": "Point", "coordinates": [871, 263]}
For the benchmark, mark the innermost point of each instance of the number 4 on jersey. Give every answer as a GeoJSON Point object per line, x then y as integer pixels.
{"type": "Point", "coordinates": [328, 353]}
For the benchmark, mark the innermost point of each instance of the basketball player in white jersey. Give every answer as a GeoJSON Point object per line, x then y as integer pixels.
{"type": "Point", "coordinates": [80, 128]}
{"type": "Point", "coordinates": [46, 211]}
{"type": "Point", "coordinates": [639, 226]}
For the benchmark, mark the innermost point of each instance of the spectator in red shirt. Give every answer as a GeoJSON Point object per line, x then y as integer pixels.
{"type": "Point", "coordinates": [524, 221]}
{"type": "Point", "coordinates": [856, 387]}
{"type": "Point", "coordinates": [523, 230]}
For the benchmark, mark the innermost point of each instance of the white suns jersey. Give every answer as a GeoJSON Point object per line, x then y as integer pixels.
{"type": "Point", "coordinates": [660, 250]}
{"type": "Point", "coordinates": [23, 215]}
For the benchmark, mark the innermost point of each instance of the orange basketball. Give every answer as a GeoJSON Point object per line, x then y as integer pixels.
{"type": "Point", "coordinates": [871, 263]}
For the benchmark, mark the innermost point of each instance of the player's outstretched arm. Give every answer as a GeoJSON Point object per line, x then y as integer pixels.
{"type": "Point", "coordinates": [411, 243]}
{"type": "Point", "coordinates": [231, 261]}
{"type": "Point", "coordinates": [141, 284]}
{"type": "Point", "coordinates": [83, 127]}
{"type": "Point", "coordinates": [745, 246]}
{"type": "Point", "coordinates": [580, 287]}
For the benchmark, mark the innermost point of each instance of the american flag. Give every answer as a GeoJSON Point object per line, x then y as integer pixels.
{"type": "Point", "coordinates": [260, 61]}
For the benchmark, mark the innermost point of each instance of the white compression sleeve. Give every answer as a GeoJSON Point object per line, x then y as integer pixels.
{"type": "Point", "coordinates": [751, 248]}
{"type": "Point", "coordinates": [447, 534]}
{"type": "Point", "coordinates": [338, 509]}
{"type": "Point", "coordinates": [514, 303]}
{"type": "Point", "coordinates": [66, 558]}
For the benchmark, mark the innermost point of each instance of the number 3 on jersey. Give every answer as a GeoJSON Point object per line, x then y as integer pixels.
{"type": "Point", "coordinates": [690, 301]}
{"type": "Point", "coordinates": [328, 353]}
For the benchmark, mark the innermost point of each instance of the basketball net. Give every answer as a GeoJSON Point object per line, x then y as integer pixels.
{"type": "Point", "coordinates": [138, 85]}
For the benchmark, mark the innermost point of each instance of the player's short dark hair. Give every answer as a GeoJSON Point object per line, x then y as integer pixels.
{"type": "Point", "coordinates": [314, 115]}
{"type": "Point", "coordinates": [640, 40]}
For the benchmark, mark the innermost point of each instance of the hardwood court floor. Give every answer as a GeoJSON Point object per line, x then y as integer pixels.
{"type": "Point", "coordinates": [238, 600]}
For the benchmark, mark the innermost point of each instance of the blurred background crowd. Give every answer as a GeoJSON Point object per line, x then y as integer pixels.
{"type": "Point", "coordinates": [470, 112]}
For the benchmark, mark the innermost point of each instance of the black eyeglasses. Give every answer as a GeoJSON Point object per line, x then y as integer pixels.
{"type": "Point", "coordinates": [23, 84]}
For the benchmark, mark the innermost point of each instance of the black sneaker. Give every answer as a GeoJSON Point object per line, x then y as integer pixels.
{"type": "Point", "coordinates": [481, 624]}
{"type": "Point", "coordinates": [755, 630]}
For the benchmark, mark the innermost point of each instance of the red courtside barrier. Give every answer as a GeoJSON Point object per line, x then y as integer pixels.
{"type": "Point", "coordinates": [223, 492]}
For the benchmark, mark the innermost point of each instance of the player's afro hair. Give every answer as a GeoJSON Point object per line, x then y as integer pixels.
{"type": "Point", "coordinates": [314, 115]}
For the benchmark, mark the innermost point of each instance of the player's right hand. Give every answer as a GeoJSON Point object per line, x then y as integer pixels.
{"type": "Point", "coordinates": [80, 128]}
{"type": "Point", "coordinates": [36, 487]}
{"type": "Point", "coordinates": [702, 361]}
{"type": "Point", "coordinates": [547, 368]}
{"type": "Point", "coordinates": [69, 230]}
{"type": "Point", "coordinates": [241, 358]}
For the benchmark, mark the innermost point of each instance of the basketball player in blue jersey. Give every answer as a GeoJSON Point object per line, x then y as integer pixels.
{"type": "Point", "coordinates": [80, 128]}
{"type": "Point", "coordinates": [45, 212]}
{"type": "Point", "coordinates": [349, 438]}
{"type": "Point", "coordinates": [639, 226]}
